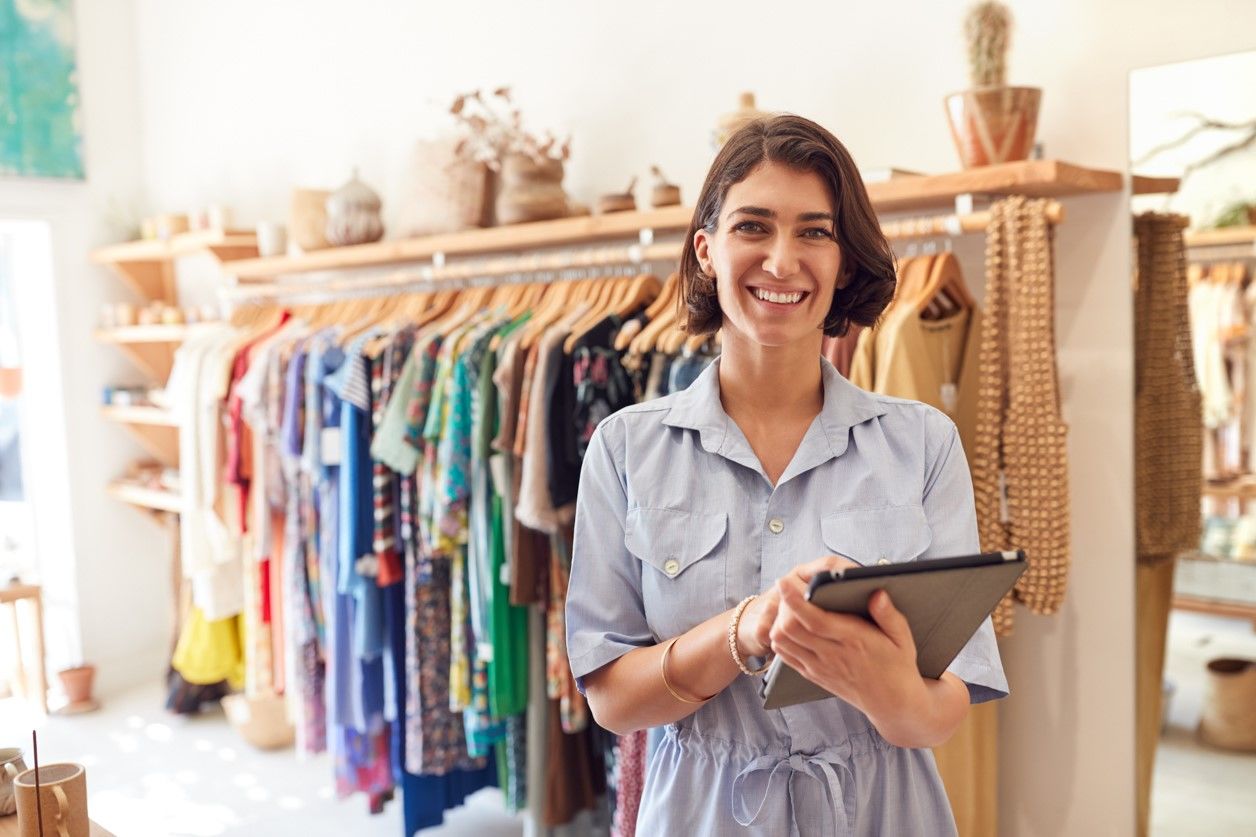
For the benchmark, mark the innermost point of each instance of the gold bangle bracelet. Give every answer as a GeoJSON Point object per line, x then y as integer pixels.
{"type": "Point", "coordinates": [732, 639]}
{"type": "Point", "coordinates": [667, 652]}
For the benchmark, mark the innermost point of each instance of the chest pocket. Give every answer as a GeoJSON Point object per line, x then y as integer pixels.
{"type": "Point", "coordinates": [878, 536]}
{"type": "Point", "coordinates": [683, 572]}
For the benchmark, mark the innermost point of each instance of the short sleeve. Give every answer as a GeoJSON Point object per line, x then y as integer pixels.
{"type": "Point", "coordinates": [952, 514]}
{"type": "Point", "coordinates": [605, 610]}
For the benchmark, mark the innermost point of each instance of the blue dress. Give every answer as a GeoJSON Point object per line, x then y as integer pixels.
{"type": "Point", "coordinates": [676, 521]}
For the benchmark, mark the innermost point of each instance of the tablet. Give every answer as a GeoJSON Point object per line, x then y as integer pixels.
{"type": "Point", "coordinates": [945, 601]}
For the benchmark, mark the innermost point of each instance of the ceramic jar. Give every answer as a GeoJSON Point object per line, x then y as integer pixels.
{"type": "Point", "coordinates": [353, 215]}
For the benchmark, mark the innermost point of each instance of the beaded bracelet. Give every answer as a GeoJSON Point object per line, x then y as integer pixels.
{"type": "Point", "coordinates": [732, 639]}
{"type": "Point", "coordinates": [667, 652]}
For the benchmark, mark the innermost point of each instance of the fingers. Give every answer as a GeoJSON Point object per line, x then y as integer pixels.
{"type": "Point", "coordinates": [803, 621]}
{"type": "Point", "coordinates": [890, 619]}
{"type": "Point", "coordinates": [805, 572]}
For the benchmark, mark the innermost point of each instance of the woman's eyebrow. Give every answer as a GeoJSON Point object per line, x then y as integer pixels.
{"type": "Point", "coordinates": [763, 212]}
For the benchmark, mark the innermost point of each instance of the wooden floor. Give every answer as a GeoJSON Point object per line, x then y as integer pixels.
{"type": "Point", "coordinates": [1199, 790]}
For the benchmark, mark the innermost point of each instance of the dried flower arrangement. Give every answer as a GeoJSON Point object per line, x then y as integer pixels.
{"type": "Point", "coordinates": [494, 129]}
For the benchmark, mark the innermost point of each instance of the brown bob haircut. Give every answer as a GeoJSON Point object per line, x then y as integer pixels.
{"type": "Point", "coordinates": [867, 261]}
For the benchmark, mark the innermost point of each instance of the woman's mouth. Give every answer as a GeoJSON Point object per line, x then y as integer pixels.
{"type": "Point", "coordinates": [783, 298]}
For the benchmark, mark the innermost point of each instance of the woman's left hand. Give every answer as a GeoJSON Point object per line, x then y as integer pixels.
{"type": "Point", "coordinates": [870, 666]}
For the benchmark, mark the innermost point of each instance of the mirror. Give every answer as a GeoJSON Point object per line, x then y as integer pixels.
{"type": "Point", "coordinates": [1193, 154]}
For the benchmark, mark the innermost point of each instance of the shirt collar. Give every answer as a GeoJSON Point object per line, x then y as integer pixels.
{"type": "Point", "coordinates": [699, 408]}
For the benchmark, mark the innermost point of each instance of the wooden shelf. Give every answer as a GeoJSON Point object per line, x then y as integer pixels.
{"type": "Point", "coordinates": [559, 233]}
{"type": "Point", "coordinates": [216, 242]}
{"type": "Point", "coordinates": [156, 499]}
{"type": "Point", "coordinates": [150, 347]}
{"type": "Point", "coordinates": [1141, 184]}
{"type": "Point", "coordinates": [148, 266]}
{"type": "Point", "coordinates": [1221, 237]}
{"type": "Point", "coordinates": [1036, 178]}
{"type": "Point", "coordinates": [145, 334]}
{"type": "Point", "coordinates": [154, 428]}
{"type": "Point", "coordinates": [1216, 607]}
{"type": "Point", "coordinates": [1236, 490]}
{"type": "Point", "coordinates": [133, 414]}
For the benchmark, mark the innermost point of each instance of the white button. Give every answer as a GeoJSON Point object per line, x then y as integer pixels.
{"type": "Point", "coordinates": [672, 567]}
{"type": "Point", "coordinates": [776, 525]}
{"type": "Point", "coordinates": [883, 562]}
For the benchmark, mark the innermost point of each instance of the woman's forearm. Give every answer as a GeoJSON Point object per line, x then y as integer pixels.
{"type": "Point", "coordinates": [628, 694]}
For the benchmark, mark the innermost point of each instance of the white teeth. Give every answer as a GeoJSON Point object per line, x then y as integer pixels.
{"type": "Point", "coordinates": [772, 296]}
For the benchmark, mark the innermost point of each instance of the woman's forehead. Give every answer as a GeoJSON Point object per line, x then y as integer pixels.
{"type": "Point", "coordinates": [785, 191]}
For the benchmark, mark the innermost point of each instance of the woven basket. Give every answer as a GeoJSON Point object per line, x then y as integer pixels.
{"type": "Point", "coordinates": [442, 192]}
{"type": "Point", "coordinates": [1229, 715]}
{"type": "Point", "coordinates": [261, 721]}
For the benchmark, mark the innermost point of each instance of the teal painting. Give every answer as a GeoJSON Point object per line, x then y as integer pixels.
{"type": "Point", "coordinates": [40, 129]}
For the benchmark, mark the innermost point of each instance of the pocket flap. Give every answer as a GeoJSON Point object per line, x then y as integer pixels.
{"type": "Point", "coordinates": [671, 540]}
{"type": "Point", "coordinates": [891, 535]}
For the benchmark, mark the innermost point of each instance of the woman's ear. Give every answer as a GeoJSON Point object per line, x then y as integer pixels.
{"type": "Point", "coordinates": [702, 250]}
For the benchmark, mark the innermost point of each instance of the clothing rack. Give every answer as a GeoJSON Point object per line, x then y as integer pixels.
{"type": "Point", "coordinates": [560, 265]}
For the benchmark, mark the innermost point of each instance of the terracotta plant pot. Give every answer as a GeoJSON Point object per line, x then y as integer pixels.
{"type": "Point", "coordinates": [77, 683]}
{"type": "Point", "coordinates": [993, 124]}
{"type": "Point", "coordinates": [530, 190]}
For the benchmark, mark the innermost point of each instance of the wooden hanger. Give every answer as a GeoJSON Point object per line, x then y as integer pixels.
{"type": "Point", "coordinates": [947, 279]}
{"type": "Point", "coordinates": [552, 308]}
{"type": "Point", "coordinates": [605, 303]}
{"type": "Point", "coordinates": [665, 299]}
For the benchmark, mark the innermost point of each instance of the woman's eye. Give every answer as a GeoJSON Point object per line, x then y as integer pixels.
{"type": "Point", "coordinates": [749, 226]}
{"type": "Point", "coordinates": [817, 232]}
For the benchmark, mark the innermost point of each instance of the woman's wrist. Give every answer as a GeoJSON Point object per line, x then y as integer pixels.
{"type": "Point", "coordinates": [926, 715]}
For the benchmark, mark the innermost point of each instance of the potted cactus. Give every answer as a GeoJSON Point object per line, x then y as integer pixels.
{"type": "Point", "coordinates": [991, 123]}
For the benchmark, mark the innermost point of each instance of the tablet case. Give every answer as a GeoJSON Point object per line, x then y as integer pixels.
{"type": "Point", "coordinates": [944, 600]}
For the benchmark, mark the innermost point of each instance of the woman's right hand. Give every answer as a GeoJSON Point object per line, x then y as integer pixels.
{"type": "Point", "coordinates": [756, 620]}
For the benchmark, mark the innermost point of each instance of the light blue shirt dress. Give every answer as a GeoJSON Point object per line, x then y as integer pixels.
{"type": "Point", "coordinates": [676, 521]}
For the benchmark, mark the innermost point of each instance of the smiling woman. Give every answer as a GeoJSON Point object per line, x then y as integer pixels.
{"type": "Point", "coordinates": [702, 516]}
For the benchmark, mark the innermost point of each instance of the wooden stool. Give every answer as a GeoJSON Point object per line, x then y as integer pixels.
{"type": "Point", "coordinates": [10, 596]}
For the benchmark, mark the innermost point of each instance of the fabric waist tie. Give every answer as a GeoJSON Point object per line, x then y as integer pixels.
{"type": "Point", "coordinates": [761, 778]}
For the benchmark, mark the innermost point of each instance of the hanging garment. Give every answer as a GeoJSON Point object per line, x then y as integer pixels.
{"type": "Point", "coordinates": [1020, 461]}
{"type": "Point", "coordinates": [935, 362]}
{"type": "Point", "coordinates": [1168, 424]}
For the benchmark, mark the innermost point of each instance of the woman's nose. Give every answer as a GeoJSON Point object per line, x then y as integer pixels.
{"type": "Point", "coordinates": [781, 260]}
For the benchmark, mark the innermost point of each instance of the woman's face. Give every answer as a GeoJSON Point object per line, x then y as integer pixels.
{"type": "Point", "coordinates": [774, 256]}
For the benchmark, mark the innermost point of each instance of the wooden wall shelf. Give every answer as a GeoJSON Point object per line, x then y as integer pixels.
{"type": "Point", "coordinates": [155, 499]}
{"type": "Point", "coordinates": [563, 232]}
{"type": "Point", "coordinates": [154, 428]}
{"type": "Point", "coordinates": [1034, 178]}
{"type": "Point", "coordinates": [145, 334]}
{"type": "Point", "coordinates": [1221, 237]}
{"type": "Point", "coordinates": [221, 244]}
{"type": "Point", "coordinates": [1141, 184]}
{"type": "Point", "coordinates": [148, 266]}
{"type": "Point", "coordinates": [150, 347]}
{"type": "Point", "coordinates": [1037, 178]}
{"type": "Point", "coordinates": [145, 414]}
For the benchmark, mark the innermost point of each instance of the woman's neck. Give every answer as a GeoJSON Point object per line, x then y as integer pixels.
{"type": "Point", "coordinates": [770, 383]}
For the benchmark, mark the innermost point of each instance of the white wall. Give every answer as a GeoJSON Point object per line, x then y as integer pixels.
{"type": "Point", "coordinates": [240, 101]}
{"type": "Point", "coordinates": [103, 566]}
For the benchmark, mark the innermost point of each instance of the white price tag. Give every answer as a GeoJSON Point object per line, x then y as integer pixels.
{"type": "Point", "coordinates": [950, 397]}
{"type": "Point", "coordinates": [329, 446]}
